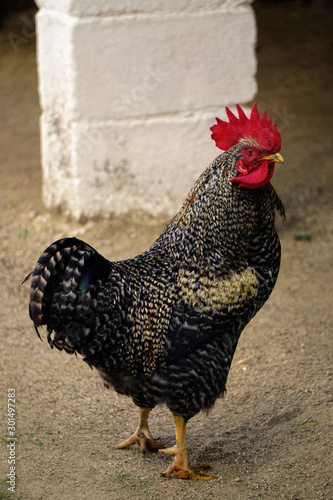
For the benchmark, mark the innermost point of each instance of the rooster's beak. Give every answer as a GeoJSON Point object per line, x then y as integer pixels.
{"type": "Point", "coordinates": [276, 158]}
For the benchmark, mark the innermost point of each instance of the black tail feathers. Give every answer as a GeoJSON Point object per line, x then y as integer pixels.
{"type": "Point", "coordinates": [62, 286]}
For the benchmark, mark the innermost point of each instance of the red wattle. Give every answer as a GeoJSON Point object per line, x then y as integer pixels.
{"type": "Point", "coordinates": [256, 177]}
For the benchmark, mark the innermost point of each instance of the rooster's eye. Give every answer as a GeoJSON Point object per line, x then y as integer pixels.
{"type": "Point", "coordinates": [250, 152]}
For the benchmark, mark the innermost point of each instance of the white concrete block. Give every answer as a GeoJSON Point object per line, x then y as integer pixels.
{"type": "Point", "coordinates": [128, 97]}
{"type": "Point", "coordinates": [144, 167]}
{"type": "Point", "coordinates": [170, 64]}
{"type": "Point", "coordinates": [97, 8]}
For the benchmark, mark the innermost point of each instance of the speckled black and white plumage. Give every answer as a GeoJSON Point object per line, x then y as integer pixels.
{"type": "Point", "coordinates": [163, 327]}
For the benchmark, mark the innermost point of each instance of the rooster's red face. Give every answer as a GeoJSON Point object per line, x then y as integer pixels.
{"type": "Point", "coordinates": [255, 167]}
{"type": "Point", "coordinates": [259, 146]}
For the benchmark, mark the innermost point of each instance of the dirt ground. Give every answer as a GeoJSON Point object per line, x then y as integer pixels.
{"type": "Point", "coordinates": [271, 436]}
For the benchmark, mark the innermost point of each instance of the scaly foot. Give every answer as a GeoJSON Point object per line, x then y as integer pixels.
{"type": "Point", "coordinates": [142, 436]}
{"type": "Point", "coordinates": [180, 465]}
{"type": "Point", "coordinates": [146, 442]}
{"type": "Point", "coordinates": [183, 471]}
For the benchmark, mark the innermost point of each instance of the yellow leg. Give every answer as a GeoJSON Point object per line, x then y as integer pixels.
{"type": "Point", "coordinates": [142, 436]}
{"type": "Point", "coordinates": [180, 466]}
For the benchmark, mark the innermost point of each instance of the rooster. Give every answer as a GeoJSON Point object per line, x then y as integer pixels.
{"type": "Point", "coordinates": [163, 327]}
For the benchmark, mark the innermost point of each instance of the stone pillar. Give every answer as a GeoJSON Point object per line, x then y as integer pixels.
{"type": "Point", "coordinates": [128, 91]}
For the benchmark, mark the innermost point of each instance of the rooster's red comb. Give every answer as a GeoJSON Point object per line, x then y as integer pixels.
{"type": "Point", "coordinates": [227, 134]}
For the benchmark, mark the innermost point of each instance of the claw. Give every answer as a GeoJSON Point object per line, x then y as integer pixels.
{"type": "Point", "coordinates": [169, 451]}
{"type": "Point", "coordinates": [183, 471]}
{"type": "Point", "coordinates": [142, 436]}
{"type": "Point", "coordinates": [180, 465]}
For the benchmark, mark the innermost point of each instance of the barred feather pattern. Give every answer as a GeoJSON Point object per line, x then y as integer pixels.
{"type": "Point", "coordinates": [163, 327]}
